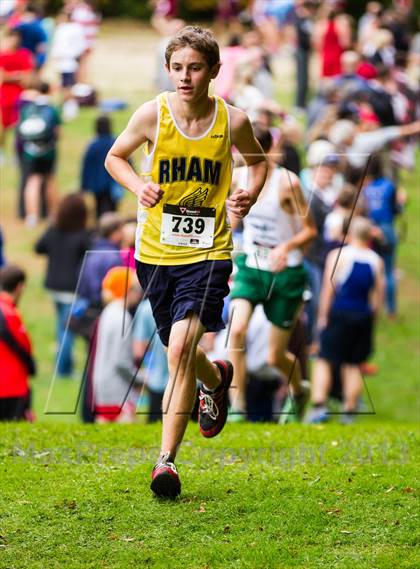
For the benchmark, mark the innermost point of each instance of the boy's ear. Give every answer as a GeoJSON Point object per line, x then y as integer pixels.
{"type": "Point", "coordinates": [167, 67]}
{"type": "Point", "coordinates": [215, 70]}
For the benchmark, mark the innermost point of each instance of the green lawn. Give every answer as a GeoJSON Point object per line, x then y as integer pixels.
{"type": "Point", "coordinates": [256, 497]}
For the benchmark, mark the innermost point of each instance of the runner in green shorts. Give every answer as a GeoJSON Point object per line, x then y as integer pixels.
{"type": "Point", "coordinates": [279, 293]}
{"type": "Point", "coordinates": [270, 272]}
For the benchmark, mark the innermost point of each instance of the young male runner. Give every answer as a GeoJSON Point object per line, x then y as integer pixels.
{"type": "Point", "coordinates": [271, 273]}
{"type": "Point", "coordinates": [183, 245]}
{"type": "Point", "coordinates": [352, 296]}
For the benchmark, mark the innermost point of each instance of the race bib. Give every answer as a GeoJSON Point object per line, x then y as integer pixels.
{"type": "Point", "coordinates": [258, 257]}
{"type": "Point", "coordinates": [188, 227]}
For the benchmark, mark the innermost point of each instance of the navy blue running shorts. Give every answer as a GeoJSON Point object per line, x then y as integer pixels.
{"type": "Point", "coordinates": [347, 338]}
{"type": "Point", "coordinates": [173, 291]}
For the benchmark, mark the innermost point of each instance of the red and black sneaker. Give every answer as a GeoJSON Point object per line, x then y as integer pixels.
{"type": "Point", "coordinates": [165, 479]}
{"type": "Point", "coordinates": [213, 407]}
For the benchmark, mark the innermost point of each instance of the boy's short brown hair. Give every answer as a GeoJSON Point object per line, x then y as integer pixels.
{"type": "Point", "coordinates": [361, 228]}
{"type": "Point", "coordinates": [200, 39]}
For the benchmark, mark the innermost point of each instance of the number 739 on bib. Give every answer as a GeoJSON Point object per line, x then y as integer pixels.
{"type": "Point", "coordinates": [188, 227]}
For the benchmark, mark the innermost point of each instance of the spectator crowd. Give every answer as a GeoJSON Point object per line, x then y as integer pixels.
{"type": "Point", "coordinates": [332, 201]}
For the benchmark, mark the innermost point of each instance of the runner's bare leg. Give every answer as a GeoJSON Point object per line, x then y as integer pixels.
{"type": "Point", "coordinates": [32, 195]}
{"type": "Point", "coordinates": [352, 387]}
{"type": "Point", "coordinates": [207, 372]}
{"type": "Point", "coordinates": [321, 382]}
{"type": "Point", "coordinates": [285, 361]}
{"type": "Point", "coordinates": [241, 311]}
{"type": "Point", "coordinates": [178, 400]}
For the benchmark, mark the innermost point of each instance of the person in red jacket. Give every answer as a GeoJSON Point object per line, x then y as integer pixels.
{"type": "Point", "coordinates": [16, 361]}
{"type": "Point", "coordinates": [16, 67]}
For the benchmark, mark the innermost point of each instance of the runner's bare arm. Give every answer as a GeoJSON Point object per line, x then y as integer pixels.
{"type": "Point", "coordinates": [292, 195]}
{"type": "Point", "coordinates": [241, 201]}
{"type": "Point", "coordinates": [233, 220]}
{"type": "Point", "coordinates": [410, 129]}
{"type": "Point", "coordinates": [140, 129]}
{"type": "Point", "coordinates": [377, 297]}
{"type": "Point", "coordinates": [328, 288]}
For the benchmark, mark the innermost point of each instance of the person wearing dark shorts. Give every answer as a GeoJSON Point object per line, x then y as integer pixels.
{"type": "Point", "coordinates": [347, 339]}
{"type": "Point", "coordinates": [349, 302]}
{"type": "Point", "coordinates": [175, 291]}
{"type": "Point", "coordinates": [44, 166]}
{"type": "Point", "coordinates": [38, 132]}
{"type": "Point", "coordinates": [184, 242]}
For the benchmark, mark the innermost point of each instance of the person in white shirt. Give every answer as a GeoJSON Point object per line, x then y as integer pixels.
{"type": "Point", "coordinates": [270, 272]}
{"type": "Point", "coordinates": [83, 14]}
{"type": "Point", "coordinates": [68, 46]}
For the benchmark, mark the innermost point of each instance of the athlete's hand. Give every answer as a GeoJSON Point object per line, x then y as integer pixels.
{"type": "Point", "coordinates": [239, 203]}
{"type": "Point", "coordinates": [278, 258]}
{"type": "Point", "coordinates": [149, 194]}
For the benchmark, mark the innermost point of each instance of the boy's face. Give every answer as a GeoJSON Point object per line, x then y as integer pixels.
{"type": "Point", "coordinates": [190, 73]}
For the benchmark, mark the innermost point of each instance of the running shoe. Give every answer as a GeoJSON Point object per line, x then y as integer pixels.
{"type": "Point", "coordinates": [294, 406]}
{"type": "Point", "coordinates": [213, 407]}
{"type": "Point", "coordinates": [165, 479]}
{"type": "Point", "coordinates": [235, 416]}
{"type": "Point", "coordinates": [347, 418]}
{"type": "Point", "coordinates": [317, 415]}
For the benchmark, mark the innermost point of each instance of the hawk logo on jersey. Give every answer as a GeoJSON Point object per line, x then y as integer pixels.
{"type": "Point", "coordinates": [196, 199]}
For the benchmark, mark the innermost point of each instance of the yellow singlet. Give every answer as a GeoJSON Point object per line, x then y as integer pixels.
{"type": "Point", "coordinates": [190, 223]}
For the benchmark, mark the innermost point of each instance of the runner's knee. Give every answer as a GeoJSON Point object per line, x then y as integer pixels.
{"type": "Point", "coordinates": [180, 351]}
{"type": "Point", "coordinates": [237, 334]}
{"type": "Point", "coordinates": [277, 358]}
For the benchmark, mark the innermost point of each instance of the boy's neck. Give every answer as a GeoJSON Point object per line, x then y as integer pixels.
{"type": "Point", "coordinates": [189, 112]}
{"type": "Point", "coordinates": [359, 243]}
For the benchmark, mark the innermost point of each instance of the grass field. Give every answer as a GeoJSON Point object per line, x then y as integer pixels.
{"type": "Point", "coordinates": [258, 496]}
